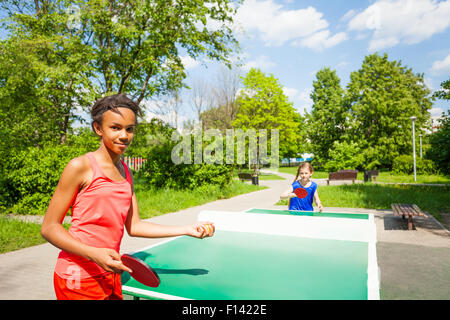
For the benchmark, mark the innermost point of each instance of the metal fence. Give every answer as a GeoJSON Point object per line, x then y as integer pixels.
{"type": "Point", "coordinates": [134, 163]}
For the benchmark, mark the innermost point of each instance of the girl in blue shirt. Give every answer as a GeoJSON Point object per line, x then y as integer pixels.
{"type": "Point", "coordinates": [305, 171]}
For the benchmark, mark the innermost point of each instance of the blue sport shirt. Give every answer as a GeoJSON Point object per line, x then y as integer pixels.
{"type": "Point", "coordinates": [304, 204]}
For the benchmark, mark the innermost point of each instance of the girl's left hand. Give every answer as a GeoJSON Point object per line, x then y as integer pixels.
{"type": "Point", "coordinates": [201, 229]}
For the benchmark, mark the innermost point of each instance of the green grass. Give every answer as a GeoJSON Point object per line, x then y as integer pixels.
{"type": "Point", "coordinates": [15, 234]}
{"type": "Point", "coordinates": [432, 199]}
{"type": "Point", "coordinates": [390, 177]}
{"type": "Point", "coordinates": [155, 202]}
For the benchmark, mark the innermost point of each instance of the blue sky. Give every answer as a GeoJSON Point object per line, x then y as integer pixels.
{"type": "Point", "coordinates": [294, 39]}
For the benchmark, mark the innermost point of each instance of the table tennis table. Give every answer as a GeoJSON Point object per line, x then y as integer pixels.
{"type": "Point", "coordinates": [264, 255]}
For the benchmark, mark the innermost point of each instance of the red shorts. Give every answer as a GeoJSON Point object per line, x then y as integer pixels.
{"type": "Point", "coordinates": [105, 286]}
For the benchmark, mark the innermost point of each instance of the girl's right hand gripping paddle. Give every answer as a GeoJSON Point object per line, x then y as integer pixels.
{"type": "Point", "coordinates": [142, 272]}
{"type": "Point", "coordinates": [301, 193]}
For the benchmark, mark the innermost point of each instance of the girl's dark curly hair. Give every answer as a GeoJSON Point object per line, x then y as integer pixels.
{"type": "Point", "coordinates": [112, 103]}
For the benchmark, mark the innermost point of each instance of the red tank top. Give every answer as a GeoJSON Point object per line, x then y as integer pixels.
{"type": "Point", "coordinates": [98, 217]}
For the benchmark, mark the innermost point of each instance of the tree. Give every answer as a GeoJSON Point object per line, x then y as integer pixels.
{"type": "Point", "coordinates": [439, 151]}
{"type": "Point", "coordinates": [221, 107]}
{"type": "Point", "coordinates": [91, 48]}
{"type": "Point", "coordinates": [327, 122]}
{"type": "Point", "coordinates": [263, 105]}
{"type": "Point", "coordinates": [344, 156]}
{"type": "Point", "coordinates": [61, 55]}
{"type": "Point", "coordinates": [137, 43]}
{"type": "Point", "coordinates": [225, 91]}
{"type": "Point", "coordinates": [169, 107]}
{"type": "Point", "coordinates": [200, 98]}
{"type": "Point", "coordinates": [44, 73]}
{"type": "Point", "coordinates": [215, 118]}
{"type": "Point", "coordinates": [381, 97]}
{"type": "Point", "coordinates": [444, 91]}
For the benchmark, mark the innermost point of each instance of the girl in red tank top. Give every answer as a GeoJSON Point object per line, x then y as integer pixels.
{"type": "Point", "coordinates": [99, 188]}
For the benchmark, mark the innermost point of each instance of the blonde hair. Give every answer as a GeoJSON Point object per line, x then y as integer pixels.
{"type": "Point", "coordinates": [303, 165]}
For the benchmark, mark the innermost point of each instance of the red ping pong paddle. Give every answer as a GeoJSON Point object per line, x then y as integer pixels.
{"type": "Point", "coordinates": [142, 272]}
{"type": "Point", "coordinates": [301, 193]}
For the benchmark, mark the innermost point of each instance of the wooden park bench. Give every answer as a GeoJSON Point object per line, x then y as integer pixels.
{"type": "Point", "coordinates": [248, 176]}
{"type": "Point", "coordinates": [245, 176]}
{"type": "Point", "coordinates": [342, 175]}
{"type": "Point", "coordinates": [409, 210]}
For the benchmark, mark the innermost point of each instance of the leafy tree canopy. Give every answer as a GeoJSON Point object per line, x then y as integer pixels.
{"type": "Point", "coordinates": [381, 97]}
{"type": "Point", "coordinates": [263, 105]}
{"type": "Point", "coordinates": [444, 91]}
{"type": "Point", "coordinates": [72, 52]}
{"type": "Point", "coordinates": [327, 121]}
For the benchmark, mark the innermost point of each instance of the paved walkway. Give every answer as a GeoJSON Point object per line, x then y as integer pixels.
{"type": "Point", "coordinates": [413, 264]}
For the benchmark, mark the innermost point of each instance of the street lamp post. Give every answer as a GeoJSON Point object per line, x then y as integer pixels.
{"type": "Point", "coordinates": [420, 136]}
{"type": "Point", "coordinates": [414, 145]}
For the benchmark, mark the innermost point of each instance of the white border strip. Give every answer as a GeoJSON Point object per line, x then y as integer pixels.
{"type": "Point", "coordinates": [373, 277]}
{"type": "Point", "coordinates": [373, 272]}
{"type": "Point", "coordinates": [291, 225]}
{"type": "Point", "coordinates": [152, 294]}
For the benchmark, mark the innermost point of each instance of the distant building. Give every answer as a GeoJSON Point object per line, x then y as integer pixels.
{"type": "Point", "coordinates": [295, 161]}
{"type": "Point", "coordinates": [435, 123]}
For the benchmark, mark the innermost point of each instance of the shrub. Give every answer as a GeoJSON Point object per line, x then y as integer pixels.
{"type": "Point", "coordinates": [345, 156]}
{"type": "Point", "coordinates": [159, 170]}
{"type": "Point", "coordinates": [404, 164]}
{"type": "Point", "coordinates": [33, 173]}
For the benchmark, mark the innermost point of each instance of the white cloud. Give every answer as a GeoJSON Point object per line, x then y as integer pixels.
{"type": "Point", "coordinates": [350, 14]}
{"type": "Point", "coordinates": [401, 21]}
{"type": "Point", "coordinates": [322, 40]}
{"type": "Point", "coordinates": [275, 25]}
{"type": "Point", "coordinates": [435, 112]}
{"type": "Point", "coordinates": [261, 62]}
{"type": "Point", "coordinates": [301, 100]}
{"type": "Point", "coordinates": [429, 83]}
{"type": "Point", "coordinates": [442, 66]}
{"type": "Point", "coordinates": [341, 64]}
{"type": "Point", "coordinates": [291, 93]}
{"type": "Point", "coordinates": [305, 101]}
{"type": "Point", "coordinates": [189, 63]}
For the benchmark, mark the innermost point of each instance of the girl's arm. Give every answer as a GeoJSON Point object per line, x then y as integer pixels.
{"type": "Point", "coordinates": [317, 200]}
{"type": "Point", "coordinates": [138, 228]}
{"type": "Point", "coordinates": [288, 194]}
{"type": "Point", "coordinates": [72, 179]}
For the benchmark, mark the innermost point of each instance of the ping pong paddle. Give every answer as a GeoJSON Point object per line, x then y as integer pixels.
{"type": "Point", "coordinates": [301, 193]}
{"type": "Point", "coordinates": [142, 272]}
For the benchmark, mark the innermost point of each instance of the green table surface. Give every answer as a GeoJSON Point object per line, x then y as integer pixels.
{"type": "Point", "coordinates": [312, 213]}
{"type": "Point", "coordinates": [240, 265]}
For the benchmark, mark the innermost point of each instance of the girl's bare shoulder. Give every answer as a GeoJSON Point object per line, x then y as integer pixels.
{"type": "Point", "coordinates": [79, 164]}
{"type": "Point", "coordinates": [77, 171]}
{"type": "Point", "coordinates": [78, 168]}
